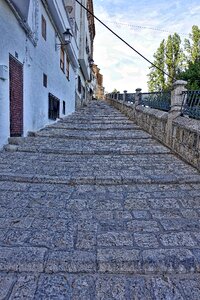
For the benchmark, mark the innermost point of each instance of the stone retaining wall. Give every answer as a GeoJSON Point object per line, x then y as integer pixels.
{"type": "Point", "coordinates": [180, 134]}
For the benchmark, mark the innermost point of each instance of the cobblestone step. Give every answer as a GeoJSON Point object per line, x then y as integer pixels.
{"type": "Point", "coordinates": [99, 213]}
{"type": "Point", "coordinates": [98, 180]}
{"type": "Point", "coordinates": [90, 286]}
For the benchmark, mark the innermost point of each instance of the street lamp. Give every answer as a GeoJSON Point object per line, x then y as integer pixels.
{"type": "Point", "coordinates": [91, 61]}
{"type": "Point", "coordinates": [67, 38]}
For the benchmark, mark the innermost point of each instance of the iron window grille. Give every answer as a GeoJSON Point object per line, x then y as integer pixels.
{"type": "Point", "coordinates": [54, 107]}
{"type": "Point", "coordinates": [44, 28]}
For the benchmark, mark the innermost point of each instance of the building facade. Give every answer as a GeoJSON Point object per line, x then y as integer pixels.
{"type": "Point", "coordinates": [84, 30]}
{"type": "Point", "coordinates": [99, 90]}
{"type": "Point", "coordinates": [40, 71]}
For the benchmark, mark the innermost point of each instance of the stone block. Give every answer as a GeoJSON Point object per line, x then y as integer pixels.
{"type": "Point", "coordinates": [178, 239]}
{"type": "Point", "coordinates": [6, 284]}
{"type": "Point", "coordinates": [146, 240]}
{"type": "Point", "coordinates": [110, 288]}
{"type": "Point", "coordinates": [140, 289]}
{"type": "Point", "coordinates": [142, 226]}
{"type": "Point", "coordinates": [164, 288]}
{"type": "Point", "coordinates": [72, 262]}
{"type": "Point", "coordinates": [53, 287]}
{"type": "Point", "coordinates": [168, 260]}
{"type": "Point", "coordinates": [25, 287]}
{"type": "Point", "coordinates": [118, 261]}
{"type": "Point", "coordinates": [115, 239]}
{"type": "Point", "coordinates": [23, 259]}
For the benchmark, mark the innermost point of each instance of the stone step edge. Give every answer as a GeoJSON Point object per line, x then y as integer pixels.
{"type": "Point", "coordinates": [173, 261]}
{"type": "Point", "coordinates": [95, 180]}
{"type": "Point", "coordinates": [15, 148]}
{"type": "Point", "coordinates": [88, 138]}
{"type": "Point", "coordinates": [92, 129]}
{"type": "Point", "coordinates": [22, 140]}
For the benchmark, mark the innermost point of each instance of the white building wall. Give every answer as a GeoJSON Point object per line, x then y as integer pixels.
{"type": "Point", "coordinates": [12, 40]}
{"type": "Point", "coordinates": [44, 58]}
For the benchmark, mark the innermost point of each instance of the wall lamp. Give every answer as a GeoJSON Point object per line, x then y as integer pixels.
{"type": "Point", "coordinates": [67, 38]}
{"type": "Point", "coordinates": [91, 61]}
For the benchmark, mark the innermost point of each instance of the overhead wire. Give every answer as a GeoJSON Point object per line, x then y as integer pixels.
{"type": "Point", "coordinates": [122, 39]}
{"type": "Point", "coordinates": [145, 27]}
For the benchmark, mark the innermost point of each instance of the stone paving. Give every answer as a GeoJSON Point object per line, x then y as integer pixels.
{"type": "Point", "coordinates": [93, 208]}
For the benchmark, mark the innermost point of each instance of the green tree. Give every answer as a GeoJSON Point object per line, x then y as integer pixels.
{"type": "Point", "coordinates": [192, 45]}
{"type": "Point", "coordinates": [114, 91]}
{"type": "Point", "coordinates": [168, 58]}
{"type": "Point", "coordinates": [191, 72]}
{"type": "Point", "coordinates": [174, 58]}
{"type": "Point", "coordinates": [192, 75]}
{"type": "Point", "coordinates": [156, 80]}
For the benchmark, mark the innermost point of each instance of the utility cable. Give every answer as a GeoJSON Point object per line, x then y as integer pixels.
{"type": "Point", "coordinates": [144, 27]}
{"type": "Point", "coordinates": [122, 39]}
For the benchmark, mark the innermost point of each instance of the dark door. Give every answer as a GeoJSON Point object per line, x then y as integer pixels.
{"type": "Point", "coordinates": [16, 97]}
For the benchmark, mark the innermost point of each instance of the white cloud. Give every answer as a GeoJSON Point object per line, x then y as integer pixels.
{"type": "Point", "coordinates": [122, 67]}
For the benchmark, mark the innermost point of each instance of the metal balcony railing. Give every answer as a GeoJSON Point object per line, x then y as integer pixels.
{"type": "Point", "coordinates": [158, 100]}
{"type": "Point", "coordinates": [191, 104]}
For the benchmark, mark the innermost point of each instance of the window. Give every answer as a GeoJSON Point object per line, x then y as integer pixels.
{"type": "Point", "coordinates": [44, 80]}
{"type": "Point", "coordinates": [79, 84]}
{"type": "Point", "coordinates": [87, 48]}
{"type": "Point", "coordinates": [67, 66]}
{"type": "Point", "coordinates": [63, 110]}
{"type": "Point", "coordinates": [44, 28]}
{"type": "Point", "coordinates": [54, 107]}
{"type": "Point", "coordinates": [62, 59]}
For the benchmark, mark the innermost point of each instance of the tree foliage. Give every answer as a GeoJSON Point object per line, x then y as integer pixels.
{"type": "Point", "coordinates": [156, 76]}
{"type": "Point", "coordinates": [168, 58]}
{"type": "Point", "coordinates": [178, 63]}
{"type": "Point", "coordinates": [192, 75]}
{"type": "Point", "coordinates": [192, 46]}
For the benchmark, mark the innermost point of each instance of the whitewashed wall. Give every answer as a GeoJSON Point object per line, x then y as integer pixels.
{"type": "Point", "coordinates": [44, 58]}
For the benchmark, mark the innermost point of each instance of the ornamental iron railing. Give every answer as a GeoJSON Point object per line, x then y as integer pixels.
{"type": "Point", "coordinates": [191, 104]}
{"type": "Point", "coordinates": [130, 97]}
{"type": "Point", "coordinates": [158, 100]}
{"type": "Point", "coordinates": [120, 97]}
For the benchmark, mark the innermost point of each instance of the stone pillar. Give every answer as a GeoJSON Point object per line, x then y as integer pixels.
{"type": "Point", "coordinates": [118, 95]}
{"type": "Point", "coordinates": [177, 97]}
{"type": "Point", "coordinates": [176, 104]}
{"type": "Point", "coordinates": [137, 96]}
{"type": "Point", "coordinates": [124, 96]}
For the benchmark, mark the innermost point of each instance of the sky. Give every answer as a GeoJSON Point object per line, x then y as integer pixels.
{"type": "Point", "coordinates": [121, 67]}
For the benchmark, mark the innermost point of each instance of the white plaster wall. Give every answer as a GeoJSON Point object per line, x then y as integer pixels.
{"type": "Point", "coordinates": [47, 60]}
{"type": "Point", "coordinates": [12, 39]}
{"type": "Point", "coordinates": [44, 58]}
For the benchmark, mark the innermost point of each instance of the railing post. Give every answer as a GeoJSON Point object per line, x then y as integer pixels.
{"type": "Point", "coordinates": [176, 105]}
{"type": "Point", "coordinates": [137, 96]}
{"type": "Point", "coordinates": [124, 96]}
{"type": "Point", "coordinates": [118, 95]}
{"type": "Point", "coordinates": [177, 97]}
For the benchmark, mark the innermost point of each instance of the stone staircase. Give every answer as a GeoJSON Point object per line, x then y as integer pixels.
{"type": "Point", "coordinates": [93, 208]}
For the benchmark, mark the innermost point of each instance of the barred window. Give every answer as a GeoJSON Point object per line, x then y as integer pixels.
{"type": "Point", "coordinates": [62, 59]}
{"type": "Point", "coordinates": [44, 28]}
{"type": "Point", "coordinates": [54, 107]}
{"type": "Point", "coordinates": [79, 84]}
{"type": "Point", "coordinates": [67, 66]}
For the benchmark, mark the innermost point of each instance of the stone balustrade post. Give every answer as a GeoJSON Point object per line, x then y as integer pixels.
{"type": "Point", "coordinates": [137, 96]}
{"type": "Point", "coordinates": [176, 105]}
{"type": "Point", "coordinates": [177, 97]}
{"type": "Point", "coordinates": [118, 95]}
{"type": "Point", "coordinates": [124, 96]}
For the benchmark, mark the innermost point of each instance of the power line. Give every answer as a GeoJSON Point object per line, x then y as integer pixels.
{"type": "Point", "coordinates": [122, 39]}
{"type": "Point", "coordinates": [144, 27]}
